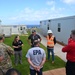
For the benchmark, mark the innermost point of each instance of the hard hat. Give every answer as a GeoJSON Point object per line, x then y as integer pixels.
{"type": "Point", "coordinates": [49, 31]}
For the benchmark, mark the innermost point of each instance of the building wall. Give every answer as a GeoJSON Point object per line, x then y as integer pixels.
{"type": "Point", "coordinates": [6, 31]}
{"type": "Point", "coordinates": [15, 29]}
{"type": "Point", "coordinates": [65, 25]}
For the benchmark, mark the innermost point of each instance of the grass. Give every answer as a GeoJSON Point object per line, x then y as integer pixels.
{"type": "Point", "coordinates": [24, 68]}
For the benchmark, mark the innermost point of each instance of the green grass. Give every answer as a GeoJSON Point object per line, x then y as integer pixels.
{"type": "Point", "coordinates": [24, 68]}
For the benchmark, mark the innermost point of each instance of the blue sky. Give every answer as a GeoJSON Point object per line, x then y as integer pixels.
{"type": "Point", "coordinates": [32, 11]}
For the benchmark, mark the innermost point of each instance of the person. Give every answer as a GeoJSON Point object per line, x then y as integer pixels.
{"type": "Point", "coordinates": [13, 71]}
{"type": "Point", "coordinates": [17, 45]}
{"type": "Point", "coordinates": [5, 60]}
{"type": "Point", "coordinates": [36, 57]}
{"type": "Point", "coordinates": [33, 37]}
{"type": "Point", "coordinates": [51, 41]}
{"type": "Point", "coordinates": [70, 39]}
{"type": "Point", "coordinates": [70, 56]}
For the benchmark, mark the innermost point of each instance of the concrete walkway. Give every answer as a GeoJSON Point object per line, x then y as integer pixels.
{"type": "Point", "coordinates": [60, 71]}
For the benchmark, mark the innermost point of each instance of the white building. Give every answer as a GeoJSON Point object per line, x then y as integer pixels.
{"type": "Point", "coordinates": [61, 27]}
{"type": "Point", "coordinates": [8, 30]}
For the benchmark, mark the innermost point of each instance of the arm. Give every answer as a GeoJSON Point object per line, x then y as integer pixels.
{"type": "Point", "coordinates": [29, 40]}
{"type": "Point", "coordinates": [29, 61]}
{"type": "Point", "coordinates": [54, 40]}
{"type": "Point", "coordinates": [43, 61]}
{"type": "Point", "coordinates": [66, 48]}
{"type": "Point", "coordinates": [21, 43]}
{"type": "Point", "coordinates": [39, 38]}
{"type": "Point", "coordinates": [15, 46]}
{"type": "Point", "coordinates": [9, 49]}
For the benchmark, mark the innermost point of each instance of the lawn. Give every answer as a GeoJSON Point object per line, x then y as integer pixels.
{"type": "Point", "coordinates": [24, 67]}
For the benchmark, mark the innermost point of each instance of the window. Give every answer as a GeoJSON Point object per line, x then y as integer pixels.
{"type": "Point", "coordinates": [20, 28]}
{"type": "Point", "coordinates": [48, 27]}
{"type": "Point", "coordinates": [49, 20]}
{"type": "Point", "coordinates": [59, 27]}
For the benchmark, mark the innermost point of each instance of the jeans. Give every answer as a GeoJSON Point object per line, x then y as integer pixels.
{"type": "Point", "coordinates": [33, 72]}
{"type": "Point", "coordinates": [52, 52]}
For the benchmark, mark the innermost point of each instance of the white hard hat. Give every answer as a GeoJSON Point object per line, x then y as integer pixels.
{"type": "Point", "coordinates": [49, 31]}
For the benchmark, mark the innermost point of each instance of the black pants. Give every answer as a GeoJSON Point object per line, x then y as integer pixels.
{"type": "Point", "coordinates": [70, 68]}
{"type": "Point", "coordinates": [33, 72]}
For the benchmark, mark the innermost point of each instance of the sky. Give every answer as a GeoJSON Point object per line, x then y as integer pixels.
{"type": "Point", "coordinates": [31, 12]}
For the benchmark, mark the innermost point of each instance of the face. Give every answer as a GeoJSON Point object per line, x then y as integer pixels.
{"type": "Point", "coordinates": [18, 38]}
{"type": "Point", "coordinates": [73, 37]}
{"type": "Point", "coordinates": [34, 33]}
{"type": "Point", "coordinates": [50, 34]}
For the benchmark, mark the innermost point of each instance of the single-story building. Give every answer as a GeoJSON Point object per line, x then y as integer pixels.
{"type": "Point", "coordinates": [61, 27]}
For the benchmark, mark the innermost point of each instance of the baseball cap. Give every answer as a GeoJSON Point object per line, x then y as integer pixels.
{"type": "Point", "coordinates": [33, 31]}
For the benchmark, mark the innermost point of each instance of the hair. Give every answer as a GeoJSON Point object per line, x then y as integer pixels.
{"type": "Point", "coordinates": [15, 38]}
{"type": "Point", "coordinates": [12, 71]}
{"type": "Point", "coordinates": [36, 43]}
{"type": "Point", "coordinates": [1, 37]}
{"type": "Point", "coordinates": [73, 32]}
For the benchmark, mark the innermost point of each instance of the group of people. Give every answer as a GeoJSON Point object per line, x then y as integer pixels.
{"type": "Point", "coordinates": [36, 56]}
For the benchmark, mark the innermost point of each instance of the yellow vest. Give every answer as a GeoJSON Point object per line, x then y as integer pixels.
{"type": "Point", "coordinates": [50, 41]}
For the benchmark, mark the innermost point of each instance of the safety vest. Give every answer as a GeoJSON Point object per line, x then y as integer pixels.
{"type": "Point", "coordinates": [50, 41]}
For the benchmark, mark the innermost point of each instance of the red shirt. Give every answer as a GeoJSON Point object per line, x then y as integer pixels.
{"type": "Point", "coordinates": [70, 49]}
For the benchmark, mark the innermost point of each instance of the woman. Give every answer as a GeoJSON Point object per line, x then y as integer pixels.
{"type": "Point", "coordinates": [17, 45]}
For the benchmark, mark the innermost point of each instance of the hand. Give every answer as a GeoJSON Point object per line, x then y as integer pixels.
{"type": "Point", "coordinates": [19, 45]}
{"type": "Point", "coordinates": [37, 68]}
{"type": "Point", "coordinates": [1, 58]}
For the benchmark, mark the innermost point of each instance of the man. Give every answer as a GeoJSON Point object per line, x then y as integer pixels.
{"type": "Point", "coordinates": [33, 37]}
{"type": "Point", "coordinates": [36, 57]}
{"type": "Point", "coordinates": [5, 51]}
{"type": "Point", "coordinates": [70, 56]}
{"type": "Point", "coordinates": [51, 41]}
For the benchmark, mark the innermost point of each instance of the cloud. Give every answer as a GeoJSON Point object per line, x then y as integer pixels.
{"type": "Point", "coordinates": [50, 2]}
{"type": "Point", "coordinates": [31, 15]}
{"type": "Point", "coordinates": [69, 1]}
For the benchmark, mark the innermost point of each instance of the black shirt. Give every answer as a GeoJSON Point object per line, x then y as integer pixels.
{"type": "Point", "coordinates": [34, 37]}
{"type": "Point", "coordinates": [19, 43]}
